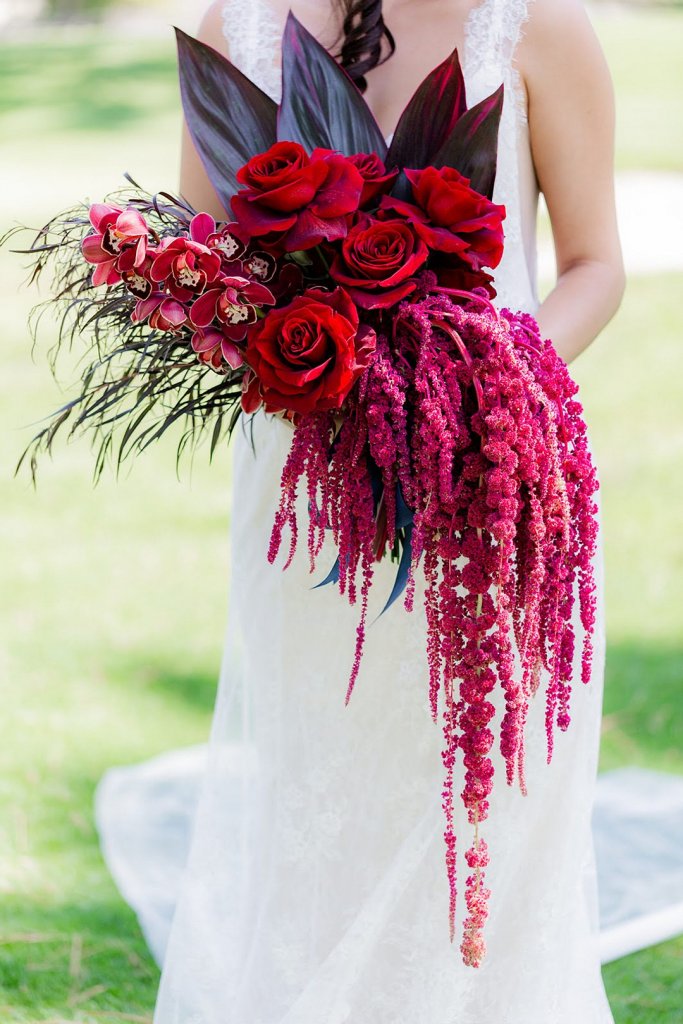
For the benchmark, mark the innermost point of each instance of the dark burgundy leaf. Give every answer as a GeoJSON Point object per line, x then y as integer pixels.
{"type": "Point", "coordinates": [430, 117]}
{"type": "Point", "coordinates": [230, 119]}
{"type": "Point", "coordinates": [473, 144]}
{"type": "Point", "coordinates": [321, 105]}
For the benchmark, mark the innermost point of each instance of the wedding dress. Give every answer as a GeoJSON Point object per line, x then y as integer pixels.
{"type": "Point", "coordinates": [315, 890]}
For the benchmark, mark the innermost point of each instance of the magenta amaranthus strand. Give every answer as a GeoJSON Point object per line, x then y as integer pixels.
{"type": "Point", "coordinates": [351, 294]}
{"type": "Point", "coordinates": [496, 469]}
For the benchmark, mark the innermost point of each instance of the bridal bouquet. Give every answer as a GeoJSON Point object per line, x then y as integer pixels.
{"type": "Point", "coordinates": [350, 293]}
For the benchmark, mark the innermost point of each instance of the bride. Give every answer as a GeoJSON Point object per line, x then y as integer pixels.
{"type": "Point", "coordinates": [315, 890]}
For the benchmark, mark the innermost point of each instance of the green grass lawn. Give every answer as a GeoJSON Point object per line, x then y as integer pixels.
{"type": "Point", "coordinates": [115, 598]}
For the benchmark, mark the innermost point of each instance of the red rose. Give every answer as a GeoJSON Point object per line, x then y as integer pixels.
{"type": "Point", "coordinates": [302, 199]}
{"type": "Point", "coordinates": [452, 272]}
{"type": "Point", "coordinates": [307, 356]}
{"type": "Point", "coordinates": [377, 262]}
{"type": "Point", "coordinates": [452, 217]}
{"type": "Point", "coordinates": [376, 180]}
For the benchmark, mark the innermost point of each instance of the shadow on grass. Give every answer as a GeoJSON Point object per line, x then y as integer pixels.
{"type": "Point", "coordinates": [643, 704]}
{"type": "Point", "coordinates": [90, 956]}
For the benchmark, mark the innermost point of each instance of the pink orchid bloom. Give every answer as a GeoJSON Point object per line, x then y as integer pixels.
{"type": "Point", "coordinates": [185, 267]}
{"type": "Point", "coordinates": [214, 349]}
{"type": "Point", "coordinates": [250, 399]}
{"type": "Point", "coordinates": [227, 243]}
{"type": "Point", "coordinates": [118, 244]}
{"type": "Point", "coordinates": [138, 281]}
{"type": "Point", "coordinates": [204, 231]}
{"type": "Point", "coordinates": [233, 303]}
{"type": "Point", "coordinates": [232, 249]}
{"type": "Point", "coordinates": [163, 313]}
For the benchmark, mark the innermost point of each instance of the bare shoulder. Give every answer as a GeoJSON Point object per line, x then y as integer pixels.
{"type": "Point", "coordinates": [559, 40]}
{"type": "Point", "coordinates": [211, 28]}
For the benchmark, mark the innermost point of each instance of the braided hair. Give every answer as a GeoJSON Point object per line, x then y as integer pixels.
{"type": "Point", "coordinates": [364, 35]}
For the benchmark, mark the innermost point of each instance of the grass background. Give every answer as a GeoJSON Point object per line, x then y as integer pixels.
{"type": "Point", "coordinates": [115, 599]}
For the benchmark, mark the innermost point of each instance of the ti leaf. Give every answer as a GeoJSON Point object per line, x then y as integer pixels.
{"type": "Point", "coordinates": [321, 106]}
{"type": "Point", "coordinates": [472, 147]}
{"type": "Point", "coordinates": [229, 118]}
{"type": "Point", "coordinates": [430, 117]}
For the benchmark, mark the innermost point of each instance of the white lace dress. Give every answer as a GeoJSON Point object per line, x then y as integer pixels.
{"type": "Point", "coordinates": [316, 889]}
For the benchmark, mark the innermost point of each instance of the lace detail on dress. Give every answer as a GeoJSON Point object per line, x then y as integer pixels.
{"type": "Point", "coordinates": [493, 31]}
{"type": "Point", "coordinates": [254, 36]}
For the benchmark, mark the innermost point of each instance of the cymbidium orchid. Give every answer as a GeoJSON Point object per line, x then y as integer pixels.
{"type": "Point", "coordinates": [234, 302]}
{"type": "Point", "coordinates": [163, 312]}
{"type": "Point", "coordinates": [118, 244]}
{"type": "Point", "coordinates": [185, 267]}
{"type": "Point", "coordinates": [216, 349]}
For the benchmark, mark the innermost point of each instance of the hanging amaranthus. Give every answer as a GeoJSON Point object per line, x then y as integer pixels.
{"type": "Point", "coordinates": [470, 418]}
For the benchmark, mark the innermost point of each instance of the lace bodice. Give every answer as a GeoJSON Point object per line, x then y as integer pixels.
{"type": "Point", "coordinates": [492, 31]}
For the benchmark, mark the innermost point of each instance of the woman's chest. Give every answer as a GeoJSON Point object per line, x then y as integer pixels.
{"type": "Point", "coordinates": [425, 32]}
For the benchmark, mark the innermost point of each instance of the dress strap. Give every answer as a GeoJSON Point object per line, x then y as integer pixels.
{"type": "Point", "coordinates": [510, 18]}
{"type": "Point", "coordinates": [238, 27]}
{"type": "Point", "coordinates": [253, 34]}
{"type": "Point", "coordinates": [493, 31]}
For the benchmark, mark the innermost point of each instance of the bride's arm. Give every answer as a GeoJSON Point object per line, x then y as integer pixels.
{"type": "Point", "coordinates": [571, 124]}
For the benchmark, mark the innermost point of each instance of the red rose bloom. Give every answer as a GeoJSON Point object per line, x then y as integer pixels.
{"type": "Point", "coordinates": [450, 216]}
{"type": "Point", "coordinates": [307, 356]}
{"type": "Point", "coordinates": [302, 199]}
{"type": "Point", "coordinates": [377, 262]}
{"type": "Point", "coordinates": [452, 272]}
{"type": "Point", "coordinates": [376, 180]}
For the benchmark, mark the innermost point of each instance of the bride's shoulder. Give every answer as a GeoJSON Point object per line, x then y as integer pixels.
{"type": "Point", "coordinates": [551, 24]}
{"type": "Point", "coordinates": [212, 27]}
{"type": "Point", "coordinates": [558, 37]}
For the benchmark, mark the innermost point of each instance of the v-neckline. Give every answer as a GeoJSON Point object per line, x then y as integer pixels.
{"type": "Point", "coordinates": [465, 57]}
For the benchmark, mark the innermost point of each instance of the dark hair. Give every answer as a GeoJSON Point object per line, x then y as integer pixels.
{"type": "Point", "coordinates": [364, 33]}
